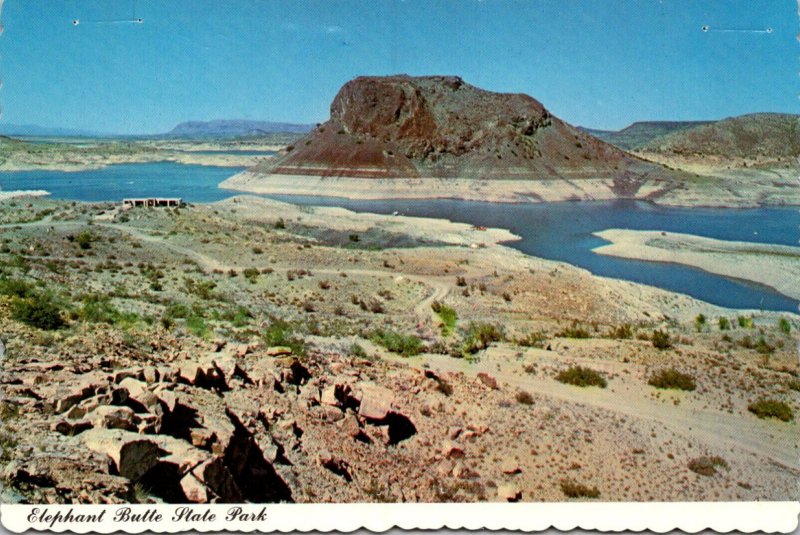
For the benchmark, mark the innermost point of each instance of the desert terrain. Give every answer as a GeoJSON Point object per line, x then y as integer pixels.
{"type": "Point", "coordinates": [252, 350]}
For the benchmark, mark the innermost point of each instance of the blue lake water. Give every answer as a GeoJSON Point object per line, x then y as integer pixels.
{"type": "Point", "coordinates": [194, 183]}
{"type": "Point", "coordinates": [558, 231]}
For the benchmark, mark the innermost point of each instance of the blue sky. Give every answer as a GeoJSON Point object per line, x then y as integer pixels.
{"type": "Point", "coordinates": [597, 63]}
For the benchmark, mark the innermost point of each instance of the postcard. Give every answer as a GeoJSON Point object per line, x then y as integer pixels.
{"type": "Point", "coordinates": [483, 264]}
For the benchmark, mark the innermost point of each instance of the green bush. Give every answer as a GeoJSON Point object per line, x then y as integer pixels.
{"type": "Point", "coordinates": [197, 326]}
{"type": "Point", "coordinates": [280, 333]}
{"type": "Point", "coordinates": [745, 322]}
{"type": "Point", "coordinates": [572, 489]}
{"type": "Point", "coordinates": [39, 311]}
{"type": "Point", "coordinates": [661, 340]}
{"type": "Point", "coordinates": [672, 379]}
{"type": "Point", "coordinates": [479, 335]}
{"type": "Point", "coordinates": [784, 326]}
{"type": "Point", "coordinates": [98, 309]}
{"type": "Point", "coordinates": [84, 239]}
{"type": "Point", "coordinates": [447, 315]}
{"type": "Point", "coordinates": [724, 324]}
{"type": "Point", "coordinates": [771, 408]}
{"type": "Point", "coordinates": [16, 288]}
{"type": "Point", "coordinates": [699, 322]}
{"type": "Point", "coordinates": [405, 345]}
{"type": "Point", "coordinates": [580, 376]}
{"type": "Point", "coordinates": [251, 274]}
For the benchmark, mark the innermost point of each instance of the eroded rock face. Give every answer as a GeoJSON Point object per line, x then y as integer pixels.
{"type": "Point", "coordinates": [441, 127]}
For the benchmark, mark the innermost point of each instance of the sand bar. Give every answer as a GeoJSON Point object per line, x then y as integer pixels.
{"type": "Point", "coordinates": [776, 266]}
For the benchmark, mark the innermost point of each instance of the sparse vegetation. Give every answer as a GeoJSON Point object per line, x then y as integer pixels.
{"type": "Point", "coordinates": [724, 323]}
{"type": "Point", "coordinates": [40, 311]}
{"type": "Point", "coordinates": [280, 333]}
{"type": "Point", "coordinates": [478, 336]}
{"type": "Point", "coordinates": [700, 322]}
{"type": "Point", "coordinates": [572, 489]}
{"type": "Point", "coordinates": [745, 322]}
{"type": "Point", "coordinates": [533, 339]}
{"type": "Point", "coordinates": [784, 326]}
{"type": "Point", "coordinates": [671, 378]}
{"type": "Point", "coordinates": [447, 315]}
{"type": "Point", "coordinates": [661, 340]}
{"type": "Point", "coordinates": [574, 331]}
{"type": "Point", "coordinates": [406, 345]}
{"type": "Point", "coordinates": [707, 466]}
{"type": "Point", "coordinates": [523, 397]}
{"type": "Point", "coordinates": [771, 408]}
{"type": "Point", "coordinates": [580, 376]}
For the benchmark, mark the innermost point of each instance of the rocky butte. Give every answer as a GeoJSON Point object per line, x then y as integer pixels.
{"type": "Point", "coordinates": [440, 127]}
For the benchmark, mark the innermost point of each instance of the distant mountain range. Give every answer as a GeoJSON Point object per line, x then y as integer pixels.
{"type": "Point", "coordinates": [639, 134]}
{"type": "Point", "coordinates": [236, 127]}
{"type": "Point", "coordinates": [32, 130]}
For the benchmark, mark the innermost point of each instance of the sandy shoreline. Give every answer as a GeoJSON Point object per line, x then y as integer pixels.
{"type": "Point", "coordinates": [6, 195]}
{"type": "Point", "coordinates": [499, 191]}
{"type": "Point", "coordinates": [775, 266]}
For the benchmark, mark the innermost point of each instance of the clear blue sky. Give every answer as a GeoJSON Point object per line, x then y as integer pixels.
{"type": "Point", "coordinates": [598, 63]}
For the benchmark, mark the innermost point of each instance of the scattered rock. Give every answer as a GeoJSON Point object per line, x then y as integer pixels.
{"type": "Point", "coordinates": [509, 492]}
{"type": "Point", "coordinates": [375, 400]}
{"type": "Point", "coordinates": [132, 454]}
{"type": "Point", "coordinates": [452, 450]}
{"type": "Point", "coordinates": [510, 466]}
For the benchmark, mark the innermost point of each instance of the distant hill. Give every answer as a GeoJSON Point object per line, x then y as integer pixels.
{"type": "Point", "coordinates": [768, 135]}
{"type": "Point", "coordinates": [640, 133]}
{"type": "Point", "coordinates": [236, 127]}
{"type": "Point", "coordinates": [441, 127]}
{"type": "Point", "coordinates": [44, 131]}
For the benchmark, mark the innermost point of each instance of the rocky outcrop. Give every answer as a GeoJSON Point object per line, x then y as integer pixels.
{"type": "Point", "coordinates": [442, 127]}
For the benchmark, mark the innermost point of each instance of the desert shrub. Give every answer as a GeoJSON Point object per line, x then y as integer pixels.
{"type": "Point", "coordinates": [280, 223]}
{"type": "Point", "coordinates": [98, 309]}
{"type": "Point", "coordinates": [763, 347]}
{"type": "Point", "coordinates": [699, 322]}
{"type": "Point", "coordinates": [784, 326]}
{"type": "Point", "coordinates": [354, 238]}
{"type": "Point", "coordinates": [358, 351]}
{"type": "Point", "coordinates": [197, 325]}
{"type": "Point", "coordinates": [202, 289]}
{"type": "Point", "coordinates": [524, 398]}
{"type": "Point", "coordinates": [84, 239]}
{"type": "Point", "coordinates": [771, 408]}
{"type": "Point", "coordinates": [479, 335]}
{"type": "Point", "coordinates": [622, 332]}
{"type": "Point", "coordinates": [533, 339]}
{"type": "Point", "coordinates": [447, 315]}
{"type": "Point", "coordinates": [580, 376]}
{"type": "Point", "coordinates": [724, 323]}
{"type": "Point", "coordinates": [661, 340]}
{"type": "Point", "coordinates": [574, 331]}
{"type": "Point", "coordinates": [461, 281]}
{"type": "Point", "coordinates": [573, 489]}
{"type": "Point", "coordinates": [40, 311]}
{"type": "Point", "coordinates": [672, 379]}
{"type": "Point", "coordinates": [745, 322]}
{"type": "Point", "coordinates": [707, 466]}
{"type": "Point", "coordinates": [251, 274]}
{"type": "Point", "coordinates": [16, 288]}
{"type": "Point", "coordinates": [406, 345]}
{"type": "Point", "coordinates": [281, 333]}
{"type": "Point", "coordinates": [258, 250]}
{"type": "Point", "coordinates": [794, 384]}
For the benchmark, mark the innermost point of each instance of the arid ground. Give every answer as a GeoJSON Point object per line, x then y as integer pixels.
{"type": "Point", "coordinates": [255, 350]}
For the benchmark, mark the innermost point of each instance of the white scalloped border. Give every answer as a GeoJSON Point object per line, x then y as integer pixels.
{"type": "Point", "coordinates": [747, 517]}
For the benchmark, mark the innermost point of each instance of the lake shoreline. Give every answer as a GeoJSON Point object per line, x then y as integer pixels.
{"type": "Point", "coordinates": [493, 191]}
{"type": "Point", "coordinates": [774, 266]}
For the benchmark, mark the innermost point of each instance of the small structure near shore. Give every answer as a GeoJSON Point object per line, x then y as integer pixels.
{"type": "Point", "coordinates": [152, 201]}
